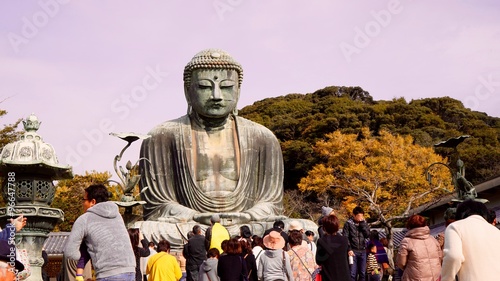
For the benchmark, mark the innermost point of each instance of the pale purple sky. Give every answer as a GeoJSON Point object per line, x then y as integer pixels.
{"type": "Point", "coordinates": [88, 68]}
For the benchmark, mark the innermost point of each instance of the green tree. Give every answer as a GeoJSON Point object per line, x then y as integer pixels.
{"type": "Point", "coordinates": [69, 194]}
{"type": "Point", "coordinates": [385, 174]}
{"type": "Point", "coordinates": [300, 120]}
{"type": "Point", "coordinates": [9, 133]}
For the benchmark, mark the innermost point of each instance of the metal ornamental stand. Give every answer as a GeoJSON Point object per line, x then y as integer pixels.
{"type": "Point", "coordinates": [129, 179]}
{"type": "Point", "coordinates": [463, 188]}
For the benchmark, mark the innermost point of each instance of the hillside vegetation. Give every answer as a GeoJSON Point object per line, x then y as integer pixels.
{"type": "Point", "coordinates": [300, 120]}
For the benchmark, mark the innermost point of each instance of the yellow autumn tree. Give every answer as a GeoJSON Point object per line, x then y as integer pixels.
{"type": "Point", "coordinates": [385, 174]}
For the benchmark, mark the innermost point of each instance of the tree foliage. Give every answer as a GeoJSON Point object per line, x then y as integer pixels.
{"type": "Point", "coordinates": [9, 133]}
{"type": "Point", "coordinates": [385, 174]}
{"type": "Point", "coordinates": [69, 194]}
{"type": "Point", "coordinates": [299, 121]}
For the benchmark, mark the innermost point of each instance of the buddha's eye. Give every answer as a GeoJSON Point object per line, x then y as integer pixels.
{"type": "Point", "coordinates": [227, 84]}
{"type": "Point", "coordinates": [204, 85]}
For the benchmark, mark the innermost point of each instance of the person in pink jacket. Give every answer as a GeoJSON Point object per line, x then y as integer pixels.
{"type": "Point", "coordinates": [419, 254]}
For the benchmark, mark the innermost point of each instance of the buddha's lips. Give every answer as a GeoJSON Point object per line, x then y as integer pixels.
{"type": "Point", "coordinates": [217, 105]}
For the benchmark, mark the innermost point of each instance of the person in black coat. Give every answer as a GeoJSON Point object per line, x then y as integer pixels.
{"type": "Point", "coordinates": [195, 253]}
{"type": "Point", "coordinates": [232, 266]}
{"type": "Point", "coordinates": [249, 258]}
{"type": "Point", "coordinates": [332, 252]}
{"type": "Point", "coordinates": [45, 257]}
{"type": "Point", "coordinates": [357, 230]}
{"type": "Point", "coordinates": [136, 237]}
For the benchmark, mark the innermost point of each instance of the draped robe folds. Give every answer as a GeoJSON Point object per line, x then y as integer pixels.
{"type": "Point", "coordinates": [169, 174]}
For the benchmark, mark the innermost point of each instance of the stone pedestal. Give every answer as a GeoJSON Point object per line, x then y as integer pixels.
{"type": "Point", "coordinates": [40, 221]}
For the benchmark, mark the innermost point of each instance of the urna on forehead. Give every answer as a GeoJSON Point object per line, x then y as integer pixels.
{"type": "Point", "coordinates": [212, 59]}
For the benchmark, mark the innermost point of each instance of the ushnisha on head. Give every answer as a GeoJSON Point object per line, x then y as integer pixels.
{"type": "Point", "coordinates": [212, 59]}
{"type": "Point", "coordinates": [212, 82]}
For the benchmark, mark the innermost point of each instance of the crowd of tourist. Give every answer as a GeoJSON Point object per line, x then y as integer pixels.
{"type": "Point", "coordinates": [465, 251]}
{"type": "Point", "coordinates": [358, 253]}
{"type": "Point", "coordinates": [281, 253]}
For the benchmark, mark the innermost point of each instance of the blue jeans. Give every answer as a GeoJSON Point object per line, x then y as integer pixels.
{"type": "Point", "coordinates": [373, 277]}
{"type": "Point", "coordinates": [129, 276]}
{"type": "Point", "coordinates": [359, 265]}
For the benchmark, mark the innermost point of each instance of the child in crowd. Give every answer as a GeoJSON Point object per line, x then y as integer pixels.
{"type": "Point", "coordinates": [208, 269]}
{"type": "Point", "coordinates": [80, 266]}
{"type": "Point", "coordinates": [371, 264]}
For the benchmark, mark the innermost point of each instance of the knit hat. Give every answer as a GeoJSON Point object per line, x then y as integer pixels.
{"type": "Point", "coordinates": [326, 211]}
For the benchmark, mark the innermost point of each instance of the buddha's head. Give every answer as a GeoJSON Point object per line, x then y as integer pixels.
{"type": "Point", "coordinates": [212, 82]}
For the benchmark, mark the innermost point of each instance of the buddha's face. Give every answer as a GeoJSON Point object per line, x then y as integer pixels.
{"type": "Point", "coordinates": [213, 93]}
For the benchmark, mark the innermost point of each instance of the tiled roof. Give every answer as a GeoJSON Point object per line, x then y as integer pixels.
{"type": "Point", "coordinates": [397, 235]}
{"type": "Point", "coordinates": [440, 227]}
{"type": "Point", "coordinates": [55, 243]}
{"type": "Point", "coordinates": [489, 185]}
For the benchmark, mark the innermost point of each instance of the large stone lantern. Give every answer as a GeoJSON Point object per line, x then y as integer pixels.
{"type": "Point", "coordinates": [28, 167]}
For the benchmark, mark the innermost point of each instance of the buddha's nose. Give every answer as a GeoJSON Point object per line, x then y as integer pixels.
{"type": "Point", "coordinates": [216, 94]}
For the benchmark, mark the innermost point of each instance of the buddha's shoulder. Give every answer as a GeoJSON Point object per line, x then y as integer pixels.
{"type": "Point", "coordinates": [171, 126]}
{"type": "Point", "coordinates": [251, 125]}
{"type": "Point", "coordinates": [174, 126]}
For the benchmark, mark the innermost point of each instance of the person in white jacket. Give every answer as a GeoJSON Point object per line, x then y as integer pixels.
{"type": "Point", "coordinates": [471, 245]}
